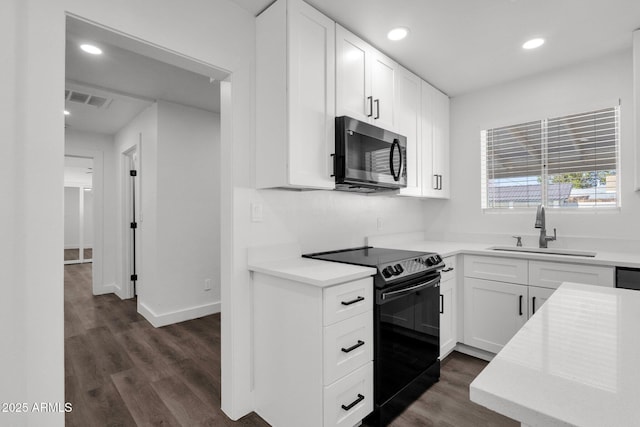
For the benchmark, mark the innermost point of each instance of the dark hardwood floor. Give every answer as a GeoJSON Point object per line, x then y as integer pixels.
{"type": "Point", "coordinates": [121, 371]}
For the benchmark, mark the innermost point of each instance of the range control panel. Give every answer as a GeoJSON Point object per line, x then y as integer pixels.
{"type": "Point", "coordinates": [394, 271]}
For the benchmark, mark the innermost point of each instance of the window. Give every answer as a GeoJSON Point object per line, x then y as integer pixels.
{"type": "Point", "coordinates": [562, 162]}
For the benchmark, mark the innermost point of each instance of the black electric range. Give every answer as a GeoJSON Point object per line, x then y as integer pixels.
{"type": "Point", "coordinates": [406, 324]}
{"type": "Point", "coordinates": [393, 265]}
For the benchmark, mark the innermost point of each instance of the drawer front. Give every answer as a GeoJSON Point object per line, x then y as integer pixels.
{"type": "Point", "coordinates": [507, 270]}
{"type": "Point", "coordinates": [350, 399]}
{"type": "Point", "coordinates": [348, 345]}
{"type": "Point", "coordinates": [552, 274]}
{"type": "Point", "coordinates": [347, 300]}
{"type": "Point", "coordinates": [449, 272]}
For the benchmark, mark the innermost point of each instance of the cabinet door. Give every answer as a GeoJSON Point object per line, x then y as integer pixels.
{"type": "Point", "coordinates": [429, 177]}
{"type": "Point", "coordinates": [353, 82]}
{"type": "Point", "coordinates": [537, 297]}
{"type": "Point", "coordinates": [311, 43]}
{"type": "Point", "coordinates": [553, 274]}
{"type": "Point", "coordinates": [448, 323]}
{"type": "Point", "coordinates": [383, 71]}
{"type": "Point", "coordinates": [408, 123]}
{"type": "Point", "coordinates": [493, 312]}
{"type": "Point", "coordinates": [441, 143]}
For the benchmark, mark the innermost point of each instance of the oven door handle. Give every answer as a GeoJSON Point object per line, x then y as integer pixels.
{"type": "Point", "coordinates": [410, 289]}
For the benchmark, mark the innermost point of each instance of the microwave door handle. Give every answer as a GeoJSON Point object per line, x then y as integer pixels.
{"type": "Point", "coordinates": [393, 171]}
{"type": "Point", "coordinates": [402, 161]}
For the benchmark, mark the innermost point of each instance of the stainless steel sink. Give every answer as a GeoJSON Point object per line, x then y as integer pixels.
{"type": "Point", "coordinates": [549, 251]}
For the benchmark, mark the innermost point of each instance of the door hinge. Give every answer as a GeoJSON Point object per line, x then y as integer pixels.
{"type": "Point", "coordinates": [134, 225]}
{"type": "Point", "coordinates": [134, 277]}
{"type": "Point", "coordinates": [133, 172]}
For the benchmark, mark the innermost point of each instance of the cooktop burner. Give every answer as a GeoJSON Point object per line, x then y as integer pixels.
{"type": "Point", "coordinates": [393, 264]}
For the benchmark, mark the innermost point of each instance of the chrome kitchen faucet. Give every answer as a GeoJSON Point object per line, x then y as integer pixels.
{"type": "Point", "coordinates": [541, 224]}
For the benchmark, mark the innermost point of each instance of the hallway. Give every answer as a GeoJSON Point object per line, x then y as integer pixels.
{"type": "Point", "coordinates": [121, 371]}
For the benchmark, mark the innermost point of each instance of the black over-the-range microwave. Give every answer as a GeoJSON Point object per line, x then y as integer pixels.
{"type": "Point", "coordinates": [368, 158]}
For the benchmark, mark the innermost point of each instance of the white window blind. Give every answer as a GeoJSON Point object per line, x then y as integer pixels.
{"type": "Point", "coordinates": [564, 162]}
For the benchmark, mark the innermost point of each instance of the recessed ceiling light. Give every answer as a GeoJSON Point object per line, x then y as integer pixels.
{"type": "Point", "coordinates": [89, 48]}
{"type": "Point", "coordinates": [66, 113]}
{"type": "Point", "coordinates": [397, 33]}
{"type": "Point", "coordinates": [533, 43]}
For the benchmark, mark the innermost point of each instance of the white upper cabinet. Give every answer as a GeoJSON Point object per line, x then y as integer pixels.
{"type": "Point", "coordinates": [295, 97]}
{"type": "Point", "coordinates": [409, 124]}
{"type": "Point", "coordinates": [422, 115]}
{"type": "Point", "coordinates": [435, 143]}
{"type": "Point", "coordinates": [365, 81]}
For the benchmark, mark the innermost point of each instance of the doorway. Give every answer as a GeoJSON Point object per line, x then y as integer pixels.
{"type": "Point", "coordinates": [167, 204]}
{"type": "Point", "coordinates": [78, 210]}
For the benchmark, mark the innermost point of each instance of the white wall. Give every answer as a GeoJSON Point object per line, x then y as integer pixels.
{"type": "Point", "coordinates": [214, 32]}
{"type": "Point", "coordinates": [574, 89]}
{"type": "Point", "coordinates": [141, 135]}
{"type": "Point", "coordinates": [101, 148]}
{"type": "Point", "coordinates": [187, 247]}
{"type": "Point", "coordinates": [328, 220]}
{"type": "Point", "coordinates": [13, 271]}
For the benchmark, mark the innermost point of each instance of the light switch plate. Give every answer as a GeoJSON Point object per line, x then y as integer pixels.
{"type": "Point", "coordinates": [256, 212]}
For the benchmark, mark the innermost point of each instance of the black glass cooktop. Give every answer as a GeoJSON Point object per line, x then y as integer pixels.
{"type": "Point", "coordinates": [366, 256]}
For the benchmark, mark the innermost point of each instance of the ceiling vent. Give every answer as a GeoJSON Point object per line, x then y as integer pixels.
{"type": "Point", "coordinates": [87, 99]}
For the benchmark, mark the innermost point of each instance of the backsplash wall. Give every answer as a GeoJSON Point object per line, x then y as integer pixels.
{"type": "Point", "coordinates": [326, 220]}
{"type": "Point", "coordinates": [574, 89]}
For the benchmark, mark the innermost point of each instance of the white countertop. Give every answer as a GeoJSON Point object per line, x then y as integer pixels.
{"type": "Point", "coordinates": [575, 362]}
{"type": "Point", "coordinates": [620, 259]}
{"type": "Point", "coordinates": [312, 271]}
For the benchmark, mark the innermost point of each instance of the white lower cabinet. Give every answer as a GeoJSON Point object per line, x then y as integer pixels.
{"type": "Point", "coordinates": [448, 308]}
{"type": "Point", "coordinates": [313, 352]}
{"type": "Point", "coordinates": [493, 312]}
{"type": "Point", "coordinates": [347, 346]}
{"type": "Point", "coordinates": [537, 297]}
{"type": "Point", "coordinates": [349, 400]}
{"type": "Point", "coordinates": [553, 274]}
{"type": "Point", "coordinates": [501, 293]}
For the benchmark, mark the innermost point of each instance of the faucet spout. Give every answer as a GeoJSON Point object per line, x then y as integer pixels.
{"type": "Point", "coordinates": [540, 220]}
{"type": "Point", "coordinates": [541, 224]}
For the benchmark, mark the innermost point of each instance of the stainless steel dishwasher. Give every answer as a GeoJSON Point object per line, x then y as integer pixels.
{"type": "Point", "coordinates": [628, 278]}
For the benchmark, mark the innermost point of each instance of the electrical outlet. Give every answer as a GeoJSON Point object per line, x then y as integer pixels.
{"type": "Point", "coordinates": [207, 284]}
{"type": "Point", "coordinates": [380, 224]}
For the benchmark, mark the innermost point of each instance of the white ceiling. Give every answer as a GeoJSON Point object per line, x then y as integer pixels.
{"type": "Point", "coordinates": [134, 75]}
{"type": "Point", "coordinates": [464, 45]}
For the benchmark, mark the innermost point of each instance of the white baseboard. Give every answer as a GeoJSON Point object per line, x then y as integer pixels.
{"type": "Point", "coordinates": [475, 352]}
{"type": "Point", "coordinates": [158, 320]}
{"type": "Point", "coordinates": [105, 289]}
{"type": "Point", "coordinates": [120, 292]}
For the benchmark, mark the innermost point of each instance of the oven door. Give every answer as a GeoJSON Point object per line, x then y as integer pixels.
{"type": "Point", "coordinates": [407, 334]}
{"type": "Point", "coordinates": [370, 155]}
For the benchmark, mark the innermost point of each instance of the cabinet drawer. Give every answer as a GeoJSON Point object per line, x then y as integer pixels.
{"type": "Point", "coordinates": [347, 300]}
{"type": "Point", "coordinates": [348, 345]}
{"type": "Point", "coordinates": [495, 268]}
{"type": "Point", "coordinates": [353, 392]}
{"type": "Point", "coordinates": [552, 274]}
{"type": "Point", "coordinates": [449, 272]}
